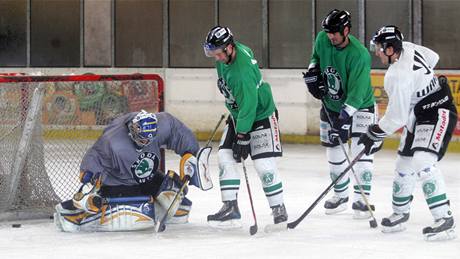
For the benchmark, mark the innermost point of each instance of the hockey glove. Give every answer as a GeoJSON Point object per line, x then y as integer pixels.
{"type": "Point", "coordinates": [314, 81]}
{"type": "Point", "coordinates": [341, 128]}
{"type": "Point", "coordinates": [373, 139]}
{"type": "Point", "coordinates": [241, 147]}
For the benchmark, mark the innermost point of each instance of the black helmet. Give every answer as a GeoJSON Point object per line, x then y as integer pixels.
{"type": "Point", "coordinates": [387, 36]}
{"type": "Point", "coordinates": [336, 21]}
{"type": "Point", "coordinates": [217, 38]}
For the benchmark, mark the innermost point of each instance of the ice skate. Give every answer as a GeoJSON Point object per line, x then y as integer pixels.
{"type": "Point", "coordinates": [442, 229]}
{"type": "Point", "coordinates": [394, 223]}
{"type": "Point", "coordinates": [361, 211]}
{"type": "Point", "coordinates": [227, 217]}
{"type": "Point", "coordinates": [335, 205]}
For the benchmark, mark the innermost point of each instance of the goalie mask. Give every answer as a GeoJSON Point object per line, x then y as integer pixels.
{"type": "Point", "coordinates": [143, 128]}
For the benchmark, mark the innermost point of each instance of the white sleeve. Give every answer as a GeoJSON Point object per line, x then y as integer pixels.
{"type": "Point", "coordinates": [431, 57]}
{"type": "Point", "coordinates": [398, 108]}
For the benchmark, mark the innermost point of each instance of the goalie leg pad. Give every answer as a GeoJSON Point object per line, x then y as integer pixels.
{"type": "Point", "coordinates": [112, 217]}
{"type": "Point", "coordinates": [168, 190]}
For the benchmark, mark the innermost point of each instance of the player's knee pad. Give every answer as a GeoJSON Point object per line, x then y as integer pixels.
{"type": "Point", "coordinates": [268, 174]}
{"type": "Point", "coordinates": [227, 164]}
{"type": "Point", "coordinates": [421, 162]}
{"type": "Point", "coordinates": [337, 160]}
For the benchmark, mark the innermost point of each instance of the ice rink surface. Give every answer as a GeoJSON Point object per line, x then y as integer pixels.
{"type": "Point", "coordinates": [305, 175]}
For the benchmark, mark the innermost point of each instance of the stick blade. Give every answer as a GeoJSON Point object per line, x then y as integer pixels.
{"type": "Point", "coordinates": [373, 223]}
{"type": "Point", "coordinates": [253, 229]}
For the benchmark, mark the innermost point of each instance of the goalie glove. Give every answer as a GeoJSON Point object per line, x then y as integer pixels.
{"type": "Point", "coordinates": [314, 82]}
{"type": "Point", "coordinates": [373, 139]}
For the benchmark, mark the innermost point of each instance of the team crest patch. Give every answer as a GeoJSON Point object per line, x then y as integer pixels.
{"type": "Point", "coordinates": [268, 178]}
{"type": "Point", "coordinates": [145, 167]}
{"type": "Point", "coordinates": [429, 188]}
{"type": "Point", "coordinates": [334, 83]}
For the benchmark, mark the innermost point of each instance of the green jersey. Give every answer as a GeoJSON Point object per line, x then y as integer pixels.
{"type": "Point", "coordinates": [346, 73]}
{"type": "Point", "coordinates": [247, 96]}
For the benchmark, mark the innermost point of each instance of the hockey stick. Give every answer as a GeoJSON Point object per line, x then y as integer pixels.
{"type": "Point", "coordinates": [160, 225]}
{"type": "Point", "coordinates": [253, 228]}
{"type": "Point", "coordinates": [296, 222]}
{"type": "Point", "coordinates": [373, 221]}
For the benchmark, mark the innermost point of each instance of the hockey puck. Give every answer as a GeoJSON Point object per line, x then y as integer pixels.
{"type": "Point", "coordinates": [15, 225]}
{"type": "Point", "coordinates": [373, 223]}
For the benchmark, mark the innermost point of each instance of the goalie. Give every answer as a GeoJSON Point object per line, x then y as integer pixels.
{"type": "Point", "coordinates": [122, 186]}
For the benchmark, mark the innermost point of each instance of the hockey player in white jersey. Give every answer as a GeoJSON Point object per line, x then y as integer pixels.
{"type": "Point", "coordinates": [422, 104]}
{"type": "Point", "coordinates": [123, 188]}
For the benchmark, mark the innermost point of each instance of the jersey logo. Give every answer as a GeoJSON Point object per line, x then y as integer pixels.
{"type": "Point", "coordinates": [145, 167]}
{"type": "Point", "coordinates": [225, 91]}
{"type": "Point", "coordinates": [334, 83]}
{"type": "Point", "coordinates": [420, 62]}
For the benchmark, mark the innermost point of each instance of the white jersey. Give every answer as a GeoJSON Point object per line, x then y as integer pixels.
{"type": "Point", "coordinates": [407, 81]}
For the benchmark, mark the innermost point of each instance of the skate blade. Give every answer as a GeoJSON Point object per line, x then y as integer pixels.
{"type": "Point", "coordinates": [358, 214]}
{"type": "Point", "coordinates": [441, 236]}
{"type": "Point", "coordinates": [228, 224]}
{"type": "Point", "coordinates": [339, 208]}
{"type": "Point", "coordinates": [271, 228]}
{"type": "Point", "coordinates": [397, 228]}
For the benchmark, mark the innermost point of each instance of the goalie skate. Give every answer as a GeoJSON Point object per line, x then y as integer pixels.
{"type": "Point", "coordinates": [335, 205]}
{"type": "Point", "coordinates": [361, 211]}
{"type": "Point", "coordinates": [442, 229]}
{"type": "Point", "coordinates": [228, 217]}
{"type": "Point", "coordinates": [394, 223]}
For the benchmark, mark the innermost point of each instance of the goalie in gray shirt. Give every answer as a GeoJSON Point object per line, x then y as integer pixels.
{"type": "Point", "coordinates": [122, 187]}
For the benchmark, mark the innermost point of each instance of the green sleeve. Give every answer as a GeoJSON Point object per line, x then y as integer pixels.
{"type": "Point", "coordinates": [314, 55]}
{"type": "Point", "coordinates": [245, 93]}
{"type": "Point", "coordinates": [359, 81]}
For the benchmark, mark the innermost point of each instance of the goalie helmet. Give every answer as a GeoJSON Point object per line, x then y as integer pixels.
{"type": "Point", "coordinates": [387, 36]}
{"type": "Point", "coordinates": [218, 39]}
{"type": "Point", "coordinates": [143, 128]}
{"type": "Point", "coordinates": [336, 21]}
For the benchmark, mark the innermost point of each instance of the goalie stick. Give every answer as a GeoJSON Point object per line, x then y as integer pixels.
{"type": "Point", "coordinates": [296, 222]}
{"type": "Point", "coordinates": [160, 225]}
{"type": "Point", "coordinates": [372, 221]}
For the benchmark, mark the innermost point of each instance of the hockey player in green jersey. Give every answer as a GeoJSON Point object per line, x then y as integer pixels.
{"type": "Point", "coordinates": [252, 127]}
{"type": "Point", "coordinates": [339, 75]}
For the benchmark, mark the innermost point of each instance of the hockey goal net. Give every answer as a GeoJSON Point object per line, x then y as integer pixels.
{"type": "Point", "coordinates": [46, 125]}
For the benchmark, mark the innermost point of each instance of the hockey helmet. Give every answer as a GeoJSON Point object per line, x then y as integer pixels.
{"type": "Point", "coordinates": [217, 40]}
{"type": "Point", "coordinates": [336, 21]}
{"type": "Point", "coordinates": [143, 128]}
{"type": "Point", "coordinates": [387, 36]}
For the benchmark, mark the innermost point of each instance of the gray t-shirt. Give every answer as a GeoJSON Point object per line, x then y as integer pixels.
{"type": "Point", "coordinates": [119, 160]}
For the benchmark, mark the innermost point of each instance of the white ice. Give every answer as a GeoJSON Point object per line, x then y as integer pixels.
{"type": "Point", "coordinates": [305, 175]}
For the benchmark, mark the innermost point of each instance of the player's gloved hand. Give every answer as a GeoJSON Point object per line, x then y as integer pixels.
{"type": "Point", "coordinates": [315, 83]}
{"type": "Point", "coordinates": [373, 139]}
{"type": "Point", "coordinates": [341, 128]}
{"type": "Point", "coordinates": [188, 168]}
{"type": "Point", "coordinates": [241, 147]}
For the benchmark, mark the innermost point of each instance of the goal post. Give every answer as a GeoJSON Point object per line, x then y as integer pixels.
{"type": "Point", "coordinates": [47, 123]}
